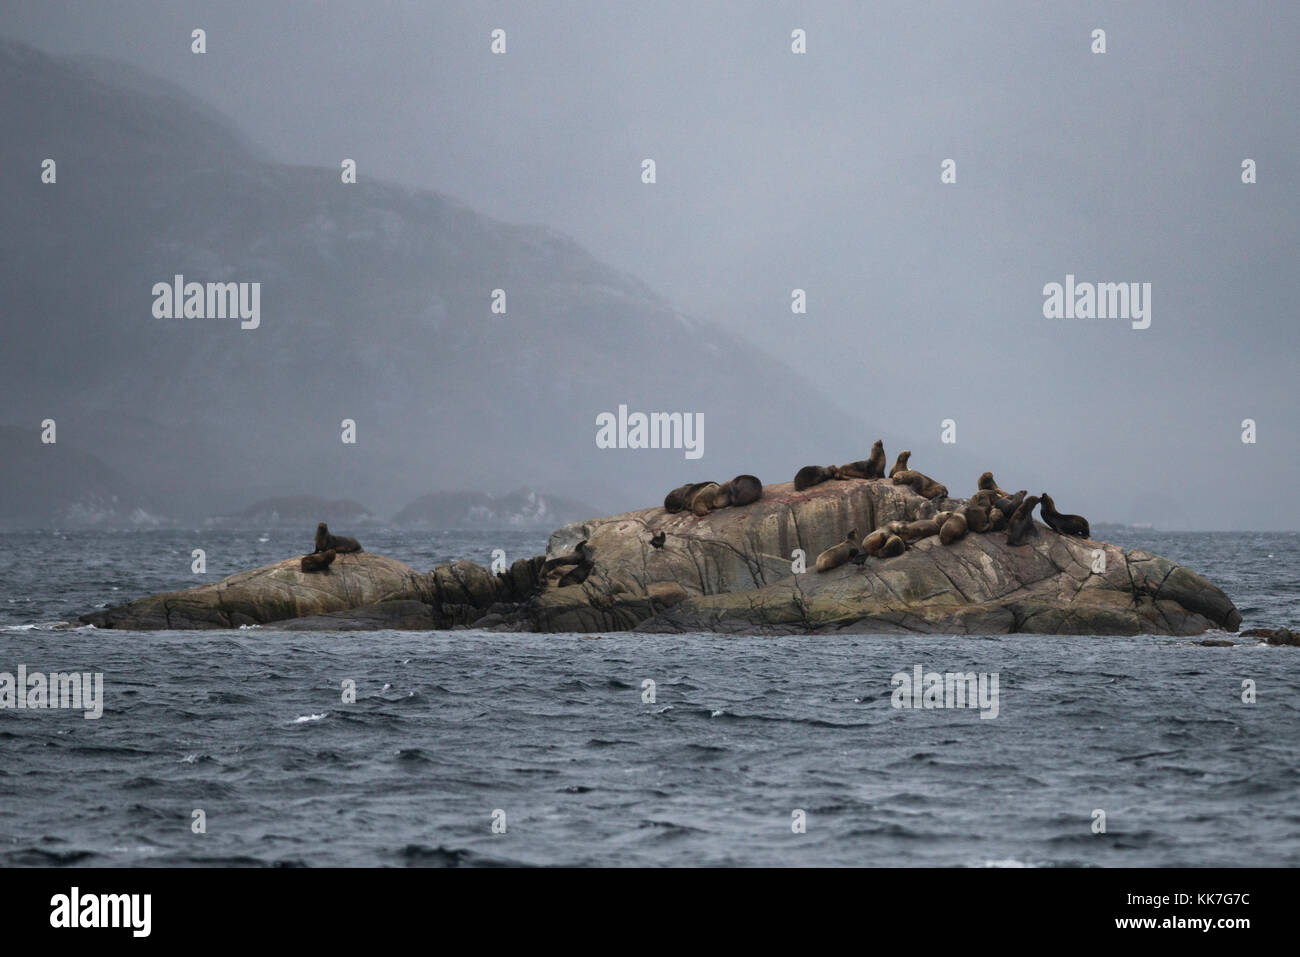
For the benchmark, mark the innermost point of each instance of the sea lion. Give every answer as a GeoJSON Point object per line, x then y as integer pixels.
{"type": "Point", "coordinates": [317, 561]}
{"type": "Point", "coordinates": [1065, 524]}
{"type": "Point", "coordinates": [1010, 504]}
{"type": "Point", "coordinates": [341, 544]}
{"type": "Point", "coordinates": [874, 542]}
{"type": "Point", "coordinates": [1021, 527]}
{"type": "Point", "coordinates": [933, 489]}
{"type": "Point", "coordinates": [811, 475]}
{"type": "Point", "coordinates": [876, 460]}
{"type": "Point", "coordinates": [837, 555]}
{"type": "Point", "coordinates": [579, 572]}
{"type": "Point", "coordinates": [977, 518]}
{"type": "Point", "coordinates": [900, 465]}
{"type": "Point", "coordinates": [872, 467]}
{"type": "Point", "coordinates": [942, 517]}
{"type": "Point", "coordinates": [658, 539]}
{"type": "Point", "coordinates": [893, 546]}
{"type": "Point", "coordinates": [745, 490]}
{"type": "Point", "coordinates": [986, 484]}
{"type": "Point", "coordinates": [904, 476]}
{"type": "Point", "coordinates": [997, 519]}
{"type": "Point", "coordinates": [985, 498]}
{"type": "Point", "coordinates": [921, 484]}
{"type": "Point", "coordinates": [575, 556]}
{"type": "Point", "coordinates": [706, 498]}
{"type": "Point", "coordinates": [953, 529]}
{"type": "Point", "coordinates": [575, 575]}
{"type": "Point", "coordinates": [914, 531]}
{"type": "Point", "coordinates": [679, 499]}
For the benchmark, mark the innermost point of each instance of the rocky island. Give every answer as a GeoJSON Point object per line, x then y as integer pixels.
{"type": "Point", "coordinates": [743, 570]}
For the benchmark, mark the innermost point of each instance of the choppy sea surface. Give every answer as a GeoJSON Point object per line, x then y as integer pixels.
{"type": "Point", "coordinates": [474, 748]}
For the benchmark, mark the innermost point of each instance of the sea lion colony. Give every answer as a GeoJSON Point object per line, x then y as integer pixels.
{"type": "Point", "coordinates": [990, 509]}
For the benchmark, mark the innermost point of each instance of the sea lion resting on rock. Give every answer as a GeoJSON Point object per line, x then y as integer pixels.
{"type": "Point", "coordinates": [317, 561]}
{"type": "Point", "coordinates": [997, 519]}
{"type": "Point", "coordinates": [921, 483]}
{"type": "Point", "coordinates": [901, 464]}
{"type": "Point", "coordinates": [985, 498]}
{"type": "Point", "coordinates": [574, 556]}
{"type": "Point", "coordinates": [953, 529]}
{"type": "Point", "coordinates": [679, 499]}
{"type": "Point", "coordinates": [1009, 505]}
{"type": "Point", "coordinates": [915, 531]}
{"type": "Point", "coordinates": [340, 543]}
{"type": "Point", "coordinates": [977, 518]}
{"type": "Point", "coordinates": [893, 546]}
{"type": "Point", "coordinates": [709, 496]}
{"type": "Point", "coordinates": [811, 475]}
{"type": "Point", "coordinates": [872, 467]}
{"type": "Point", "coordinates": [837, 555]}
{"type": "Point", "coordinates": [1065, 524]}
{"type": "Point", "coordinates": [582, 558]}
{"type": "Point", "coordinates": [987, 484]}
{"type": "Point", "coordinates": [874, 542]}
{"type": "Point", "coordinates": [1021, 527]}
{"type": "Point", "coordinates": [744, 490]}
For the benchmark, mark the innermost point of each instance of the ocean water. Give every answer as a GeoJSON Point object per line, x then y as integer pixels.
{"type": "Point", "coordinates": [552, 735]}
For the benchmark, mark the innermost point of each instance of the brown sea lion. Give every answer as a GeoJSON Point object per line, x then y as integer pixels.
{"type": "Point", "coordinates": [977, 518]}
{"type": "Point", "coordinates": [921, 484]}
{"type": "Point", "coordinates": [987, 484]}
{"type": "Point", "coordinates": [985, 498]}
{"type": "Point", "coordinates": [1010, 504]}
{"type": "Point", "coordinates": [1021, 527]}
{"type": "Point", "coordinates": [811, 475]}
{"type": "Point", "coordinates": [657, 541]}
{"type": "Point", "coordinates": [997, 519]}
{"type": "Point", "coordinates": [874, 542]}
{"type": "Point", "coordinates": [935, 490]}
{"type": "Point", "coordinates": [953, 529]}
{"type": "Point", "coordinates": [317, 561]}
{"type": "Point", "coordinates": [579, 572]}
{"type": "Point", "coordinates": [576, 575]}
{"type": "Point", "coordinates": [706, 498]}
{"type": "Point", "coordinates": [679, 499]}
{"type": "Point", "coordinates": [915, 531]}
{"type": "Point", "coordinates": [837, 555]}
{"type": "Point", "coordinates": [574, 556]}
{"type": "Point", "coordinates": [942, 517]}
{"type": "Point", "coordinates": [1065, 524]}
{"type": "Point", "coordinates": [893, 546]}
{"type": "Point", "coordinates": [341, 544]}
{"type": "Point", "coordinates": [900, 464]}
{"type": "Point", "coordinates": [905, 476]}
{"type": "Point", "coordinates": [872, 467]}
{"type": "Point", "coordinates": [745, 490]}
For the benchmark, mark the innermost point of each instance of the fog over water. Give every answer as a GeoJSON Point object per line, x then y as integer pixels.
{"type": "Point", "coordinates": [775, 171]}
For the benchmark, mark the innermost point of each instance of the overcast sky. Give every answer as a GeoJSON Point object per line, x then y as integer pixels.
{"type": "Point", "coordinates": [821, 171]}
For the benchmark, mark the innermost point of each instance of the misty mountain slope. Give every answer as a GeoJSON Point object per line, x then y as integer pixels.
{"type": "Point", "coordinates": [62, 486]}
{"type": "Point", "coordinates": [375, 307]}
